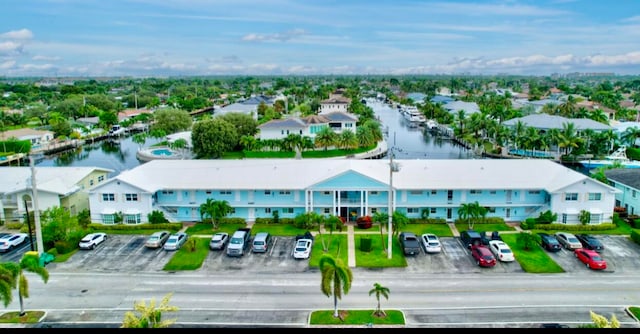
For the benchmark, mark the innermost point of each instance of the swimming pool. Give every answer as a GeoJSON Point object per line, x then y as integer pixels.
{"type": "Point", "coordinates": [162, 152]}
{"type": "Point", "coordinates": [529, 153]}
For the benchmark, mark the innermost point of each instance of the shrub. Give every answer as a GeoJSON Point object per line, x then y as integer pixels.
{"type": "Point", "coordinates": [157, 217]}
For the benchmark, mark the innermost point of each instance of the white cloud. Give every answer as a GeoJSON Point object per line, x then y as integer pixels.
{"type": "Point", "coordinates": [21, 34]}
{"type": "Point", "coordinates": [7, 64]}
{"type": "Point", "coordinates": [45, 58]}
{"type": "Point", "coordinates": [10, 47]}
{"type": "Point", "coordinates": [281, 37]}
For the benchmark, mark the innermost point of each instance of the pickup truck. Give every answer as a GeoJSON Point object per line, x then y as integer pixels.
{"type": "Point", "coordinates": [239, 242]}
{"type": "Point", "coordinates": [410, 243]}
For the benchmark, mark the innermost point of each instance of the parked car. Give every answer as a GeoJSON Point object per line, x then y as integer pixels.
{"type": "Point", "coordinates": [219, 241]}
{"type": "Point", "coordinates": [549, 242]}
{"type": "Point", "coordinates": [431, 243]}
{"type": "Point", "coordinates": [90, 241]}
{"type": "Point", "coordinates": [483, 256]}
{"type": "Point", "coordinates": [11, 241]}
{"type": "Point", "coordinates": [568, 240]}
{"type": "Point", "coordinates": [501, 251]}
{"type": "Point", "coordinates": [591, 259]}
{"type": "Point", "coordinates": [588, 241]}
{"type": "Point", "coordinates": [157, 239]}
{"type": "Point", "coordinates": [261, 242]}
{"type": "Point", "coordinates": [470, 238]}
{"type": "Point", "coordinates": [175, 241]}
{"type": "Point", "coordinates": [410, 243]}
{"type": "Point", "coordinates": [302, 250]}
{"type": "Point", "coordinates": [495, 235]}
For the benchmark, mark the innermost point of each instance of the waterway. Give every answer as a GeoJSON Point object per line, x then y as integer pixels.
{"type": "Point", "coordinates": [415, 143]}
{"type": "Point", "coordinates": [407, 143]}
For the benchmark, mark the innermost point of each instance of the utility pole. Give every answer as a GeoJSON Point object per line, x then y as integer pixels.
{"type": "Point", "coordinates": [36, 211]}
{"type": "Point", "coordinates": [393, 167]}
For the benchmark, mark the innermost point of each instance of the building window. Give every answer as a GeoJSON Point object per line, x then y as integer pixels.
{"type": "Point", "coordinates": [571, 196]}
{"type": "Point", "coordinates": [326, 211]}
{"type": "Point", "coordinates": [267, 192]}
{"type": "Point", "coordinates": [564, 218]}
{"type": "Point", "coordinates": [287, 210]}
{"type": "Point", "coordinates": [413, 210]}
{"type": "Point", "coordinates": [415, 192]}
{"type": "Point", "coordinates": [432, 210]}
{"type": "Point", "coordinates": [108, 197]}
{"type": "Point", "coordinates": [434, 192]}
{"type": "Point", "coordinates": [475, 192]}
{"type": "Point", "coordinates": [373, 193]}
{"type": "Point", "coordinates": [90, 182]}
{"type": "Point", "coordinates": [208, 192]}
{"type": "Point", "coordinates": [633, 193]}
{"type": "Point", "coordinates": [534, 192]}
{"type": "Point", "coordinates": [374, 210]}
{"type": "Point", "coordinates": [225, 192]}
{"type": "Point", "coordinates": [108, 219]}
{"type": "Point", "coordinates": [131, 197]}
{"type": "Point", "coordinates": [595, 196]}
{"type": "Point", "coordinates": [267, 210]}
{"type": "Point", "coordinates": [100, 178]}
{"type": "Point", "coordinates": [285, 192]}
{"type": "Point", "coordinates": [493, 192]}
{"type": "Point", "coordinates": [131, 219]}
{"type": "Point", "coordinates": [490, 209]}
{"type": "Point", "coordinates": [167, 192]}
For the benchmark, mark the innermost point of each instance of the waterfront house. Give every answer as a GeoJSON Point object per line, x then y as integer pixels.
{"type": "Point", "coordinates": [545, 122]}
{"type": "Point", "coordinates": [307, 126]}
{"type": "Point", "coordinates": [247, 107]}
{"type": "Point", "coordinates": [36, 137]}
{"type": "Point", "coordinates": [336, 102]}
{"type": "Point", "coordinates": [627, 180]}
{"type": "Point", "coordinates": [256, 188]}
{"type": "Point", "coordinates": [56, 186]}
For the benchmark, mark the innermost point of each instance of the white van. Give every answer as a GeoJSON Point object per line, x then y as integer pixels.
{"type": "Point", "coordinates": [261, 242]}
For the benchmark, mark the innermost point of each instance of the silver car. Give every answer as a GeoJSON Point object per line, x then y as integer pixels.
{"type": "Point", "coordinates": [219, 241]}
{"type": "Point", "coordinates": [568, 240]}
{"type": "Point", "coordinates": [175, 241]}
{"type": "Point", "coordinates": [157, 239]}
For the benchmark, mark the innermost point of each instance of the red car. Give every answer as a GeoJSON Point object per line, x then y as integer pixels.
{"type": "Point", "coordinates": [591, 258]}
{"type": "Point", "coordinates": [483, 256]}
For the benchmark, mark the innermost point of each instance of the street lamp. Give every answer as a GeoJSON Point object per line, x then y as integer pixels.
{"type": "Point", "coordinates": [36, 210]}
{"type": "Point", "coordinates": [393, 167]}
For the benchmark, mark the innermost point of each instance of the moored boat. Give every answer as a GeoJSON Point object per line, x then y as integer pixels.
{"type": "Point", "coordinates": [619, 157]}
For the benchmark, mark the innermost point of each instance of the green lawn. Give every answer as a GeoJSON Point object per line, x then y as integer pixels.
{"type": "Point", "coordinates": [356, 317]}
{"type": "Point", "coordinates": [377, 257]}
{"type": "Point", "coordinates": [441, 230]}
{"type": "Point", "coordinates": [187, 258]}
{"type": "Point", "coordinates": [535, 260]}
{"type": "Point", "coordinates": [285, 230]}
{"type": "Point", "coordinates": [207, 229]}
{"type": "Point", "coordinates": [336, 245]}
{"type": "Point", "coordinates": [485, 227]}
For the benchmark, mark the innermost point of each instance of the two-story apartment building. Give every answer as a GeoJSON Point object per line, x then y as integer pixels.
{"type": "Point", "coordinates": [627, 180]}
{"type": "Point", "coordinates": [511, 189]}
{"type": "Point", "coordinates": [56, 186]}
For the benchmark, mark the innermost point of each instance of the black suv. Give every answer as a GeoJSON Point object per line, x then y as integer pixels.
{"type": "Point", "coordinates": [470, 237]}
{"type": "Point", "coordinates": [549, 242]}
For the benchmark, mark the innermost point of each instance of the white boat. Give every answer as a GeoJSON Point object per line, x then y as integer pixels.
{"type": "Point", "coordinates": [617, 157]}
{"type": "Point", "coordinates": [413, 115]}
{"type": "Point", "coordinates": [431, 124]}
{"type": "Point", "coordinates": [116, 131]}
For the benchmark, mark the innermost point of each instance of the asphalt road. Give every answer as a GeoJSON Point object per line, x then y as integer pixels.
{"type": "Point", "coordinates": [95, 288]}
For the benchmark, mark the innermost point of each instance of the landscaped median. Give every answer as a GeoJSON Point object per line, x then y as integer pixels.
{"type": "Point", "coordinates": [357, 318]}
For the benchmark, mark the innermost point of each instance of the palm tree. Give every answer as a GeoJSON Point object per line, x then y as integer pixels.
{"type": "Point", "coordinates": [325, 138]}
{"type": "Point", "coordinates": [336, 279]}
{"type": "Point", "coordinates": [347, 140]}
{"type": "Point", "coordinates": [150, 315]}
{"type": "Point", "coordinates": [465, 212]}
{"type": "Point", "coordinates": [215, 210]}
{"type": "Point", "coordinates": [379, 290]}
{"type": "Point", "coordinates": [12, 274]}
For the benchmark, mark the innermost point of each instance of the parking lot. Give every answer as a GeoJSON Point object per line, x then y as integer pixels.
{"type": "Point", "coordinates": [127, 253]}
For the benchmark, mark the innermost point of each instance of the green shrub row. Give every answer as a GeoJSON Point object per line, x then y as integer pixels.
{"type": "Point", "coordinates": [568, 227]}
{"type": "Point", "coordinates": [635, 236]}
{"type": "Point", "coordinates": [487, 220]}
{"type": "Point", "coordinates": [271, 220]}
{"type": "Point", "coordinates": [427, 221]}
{"type": "Point", "coordinates": [125, 227]}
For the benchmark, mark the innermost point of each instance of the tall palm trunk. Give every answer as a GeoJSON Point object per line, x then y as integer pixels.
{"type": "Point", "coordinates": [22, 312]}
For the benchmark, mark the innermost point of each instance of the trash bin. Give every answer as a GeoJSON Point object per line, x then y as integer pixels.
{"type": "Point", "coordinates": [46, 258]}
{"type": "Point", "coordinates": [365, 244]}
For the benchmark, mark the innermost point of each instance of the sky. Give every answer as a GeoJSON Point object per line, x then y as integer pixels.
{"type": "Point", "coordinates": [158, 38]}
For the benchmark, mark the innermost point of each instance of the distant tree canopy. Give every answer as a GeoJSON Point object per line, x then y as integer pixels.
{"type": "Point", "coordinates": [245, 124]}
{"type": "Point", "coordinates": [213, 137]}
{"type": "Point", "coordinates": [171, 120]}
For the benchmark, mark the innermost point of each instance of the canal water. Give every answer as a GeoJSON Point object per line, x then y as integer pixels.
{"type": "Point", "coordinates": [415, 142]}
{"type": "Point", "coordinates": [407, 143]}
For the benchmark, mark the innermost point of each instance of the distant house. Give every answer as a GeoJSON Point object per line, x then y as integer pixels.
{"type": "Point", "coordinates": [454, 106]}
{"type": "Point", "coordinates": [36, 137]}
{"type": "Point", "coordinates": [130, 113]}
{"type": "Point", "coordinates": [307, 126]}
{"type": "Point", "coordinates": [248, 106]}
{"type": "Point", "coordinates": [546, 122]}
{"type": "Point", "coordinates": [627, 180]}
{"type": "Point", "coordinates": [57, 186]}
{"type": "Point", "coordinates": [336, 102]}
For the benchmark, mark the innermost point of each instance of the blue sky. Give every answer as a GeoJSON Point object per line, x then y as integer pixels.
{"type": "Point", "coordinates": [291, 37]}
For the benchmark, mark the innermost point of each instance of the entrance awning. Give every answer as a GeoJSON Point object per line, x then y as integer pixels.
{"type": "Point", "coordinates": [572, 211]}
{"type": "Point", "coordinates": [595, 211]}
{"type": "Point", "coordinates": [132, 212]}
{"type": "Point", "coordinates": [108, 211]}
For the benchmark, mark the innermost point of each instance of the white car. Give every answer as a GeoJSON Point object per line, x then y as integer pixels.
{"type": "Point", "coordinates": [90, 241]}
{"type": "Point", "coordinates": [11, 241]}
{"type": "Point", "coordinates": [302, 249]}
{"type": "Point", "coordinates": [501, 251]}
{"type": "Point", "coordinates": [431, 243]}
